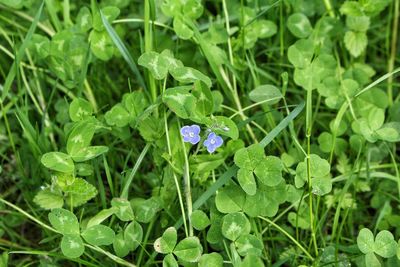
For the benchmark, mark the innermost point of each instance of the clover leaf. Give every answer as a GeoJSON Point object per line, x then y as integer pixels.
{"type": "Point", "coordinates": [299, 25]}
{"type": "Point", "coordinates": [72, 245]}
{"type": "Point", "coordinates": [189, 249]}
{"type": "Point", "coordinates": [251, 160]}
{"type": "Point", "coordinates": [64, 221]}
{"type": "Point", "coordinates": [234, 225]}
{"type": "Point", "coordinates": [99, 235]}
{"type": "Point", "coordinates": [156, 63]}
{"type": "Point", "coordinates": [123, 209]}
{"type": "Point", "coordinates": [199, 220]}
{"type": "Point", "coordinates": [166, 243]}
{"type": "Point", "coordinates": [266, 201]}
{"type": "Point", "coordinates": [80, 109]}
{"type": "Point", "coordinates": [58, 161]}
{"type": "Point", "coordinates": [384, 245]}
{"type": "Point", "coordinates": [319, 170]}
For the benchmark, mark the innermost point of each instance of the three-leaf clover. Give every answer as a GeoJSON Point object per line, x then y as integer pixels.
{"type": "Point", "coordinates": [188, 249]}
{"type": "Point", "coordinates": [251, 160]}
{"type": "Point", "coordinates": [384, 245]}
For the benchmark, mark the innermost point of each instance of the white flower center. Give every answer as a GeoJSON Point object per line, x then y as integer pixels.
{"type": "Point", "coordinates": [212, 141]}
{"type": "Point", "coordinates": [191, 134]}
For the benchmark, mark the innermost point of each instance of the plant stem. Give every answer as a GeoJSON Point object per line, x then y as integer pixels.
{"type": "Point", "coordinates": [125, 191]}
{"type": "Point", "coordinates": [308, 135]}
{"type": "Point", "coordinates": [178, 189]}
{"type": "Point", "coordinates": [186, 184]}
{"type": "Point", "coordinates": [289, 236]}
{"type": "Point", "coordinates": [148, 46]}
{"type": "Point", "coordinates": [393, 50]}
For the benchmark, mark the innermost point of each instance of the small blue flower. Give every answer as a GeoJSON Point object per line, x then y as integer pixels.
{"type": "Point", "coordinates": [213, 142]}
{"type": "Point", "coordinates": [191, 133]}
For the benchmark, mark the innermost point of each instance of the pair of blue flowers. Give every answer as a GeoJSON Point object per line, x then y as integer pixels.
{"type": "Point", "coordinates": [191, 134]}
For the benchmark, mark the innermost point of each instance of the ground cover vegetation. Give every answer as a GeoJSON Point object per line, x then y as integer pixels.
{"type": "Point", "coordinates": [171, 133]}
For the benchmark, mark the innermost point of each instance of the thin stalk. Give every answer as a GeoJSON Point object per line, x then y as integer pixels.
{"type": "Point", "coordinates": [234, 88]}
{"type": "Point", "coordinates": [393, 50]}
{"type": "Point", "coordinates": [280, 229]}
{"type": "Point", "coordinates": [148, 46]}
{"type": "Point", "coordinates": [329, 8]}
{"type": "Point", "coordinates": [178, 189]}
{"type": "Point", "coordinates": [125, 191]}
{"type": "Point", "coordinates": [188, 191]}
{"type": "Point", "coordinates": [308, 135]}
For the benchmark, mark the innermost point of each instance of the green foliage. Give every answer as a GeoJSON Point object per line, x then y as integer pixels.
{"type": "Point", "coordinates": [199, 133]}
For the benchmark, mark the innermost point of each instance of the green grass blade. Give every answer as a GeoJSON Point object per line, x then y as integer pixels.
{"type": "Point", "coordinates": [123, 50]}
{"type": "Point", "coordinates": [20, 54]}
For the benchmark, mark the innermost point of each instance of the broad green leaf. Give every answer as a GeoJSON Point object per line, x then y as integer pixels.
{"type": "Point", "coordinates": [170, 261]}
{"type": "Point", "coordinates": [192, 9]}
{"type": "Point", "coordinates": [99, 235]}
{"type": "Point", "coordinates": [376, 118]}
{"type": "Point", "coordinates": [49, 199]}
{"type": "Point", "coordinates": [181, 29]}
{"type": "Point", "coordinates": [83, 169]}
{"type": "Point", "coordinates": [117, 116]}
{"type": "Point", "coordinates": [224, 126]}
{"type": "Point", "coordinates": [72, 245]}
{"type": "Point", "coordinates": [319, 167]}
{"type": "Point", "coordinates": [351, 8]}
{"type": "Point", "coordinates": [166, 243]}
{"type": "Point", "coordinates": [123, 209]}
{"type": "Point", "coordinates": [189, 249]}
{"type": "Point", "coordinates": [109, 12]}
{"type": "Point", "coordinates": [101, 44]}
{"type": "Point", "coordinates": [355, 42]}
{"type": "Point", "coordinates": [321, 185]}
{"type": "Point", "coordinates": [189, 75]}
{"type": "Point", "coordinates": [211, 260]}
{"type": "Point", "coordinates": [265, 28]}
{"type": "Point", "coordinates": [246, 181]}
{"type": "Point", "coordinates": [64, 221]}
{"type": "Point", "coordinates": [100, 217]}
{"type": "Point", "coordinates": [249, 157]}
{"type": "Point", "coordinates": [266, 201]}
{"type": "Point", "coordinates": [88, 153]}
{"type": "Point", "coordinates": [301, 53]}
{"type": "Point", "coordinates": [199, 220]}
{"type": "Point", "coordinates": [180, 101]}
{"type": "Point", "coordinates": [205, 101]}
{"type": "Point", "coordinates": [133, 235]}
{"type": "Point", "coordinates": [252, 261]}
{"type": "Point", "coordinates": [84, 19]}
{"type": "Point", "coordinates": [365, 241]}
{"type": "Point", "coordinates": [269, 171]}
{"type": "Point", "coordinates": [79, 192]}
{"type": "Point", "coordinates": [145, 209]}
{"type": "Point", "coordinates": [234, 225]}
{"type": "Point", "coordinates": [58, 161]}
{"type": "Point", "coordinates": [121, 246]}
{"type": "Point", "coordinates": [135, 103]}
{"type": "Point", "coordinates": [80, 109]}
{"type": "Point", "coordinates": [358, 24]}
{"type": "Point", "coordinates": [389, 132]}
{"type": "Point", "coordinates": [267, 94]}
{"type": "Point", "coordinates": [385, 245]}
{"type": "Point", "coordinates": [249, 244]}
{"type": "Point", "coordinates": [230, 199]}
{"type": "Point", "coordinates": [155, 63]}
{"type": "Point", "coordinates": [80, 137]}
{"type": "Point", "coordinates": [299, 25]}
{"type": "Point", "coordinates": [173, 63]}
{"type": "Point", "coordinates": [371, 260]}
{"type": "Point", "coordinates": [171, 8]}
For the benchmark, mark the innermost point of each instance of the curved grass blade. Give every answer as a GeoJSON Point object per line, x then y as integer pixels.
{"type": "Point", "coordinates": [123, 50]}
{"type": "Point", "coordinates": [20, 54]}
